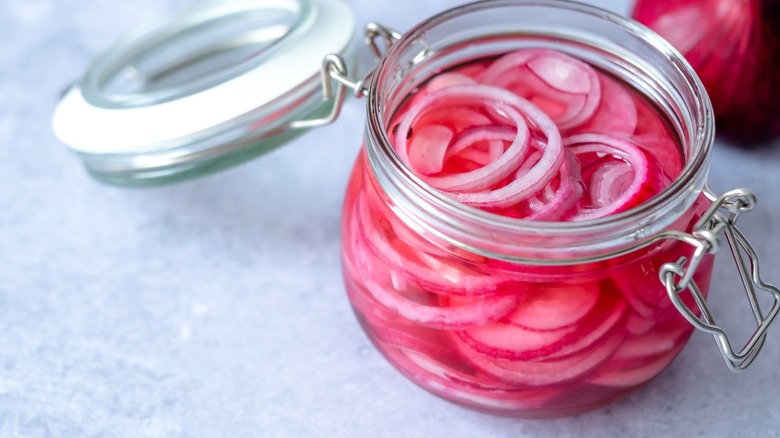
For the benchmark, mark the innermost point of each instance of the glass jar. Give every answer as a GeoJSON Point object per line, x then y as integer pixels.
{"type": "Point", "coordinates": [521, 318]}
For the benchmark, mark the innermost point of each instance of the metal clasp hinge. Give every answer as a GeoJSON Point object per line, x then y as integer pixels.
{"type": "Point", "coordinates": [720, 219]}
{"type": "Point", "coordinates": [334, 72]}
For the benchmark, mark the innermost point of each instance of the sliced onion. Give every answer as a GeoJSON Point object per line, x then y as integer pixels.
{"type": "Point", "coordinates": [476, 135]}
{"type": "Point", "coordinates": [565, 87]}
{"type": "Point", "coordinates": [492, 172]}
{"type": "Point", "coordinates": [564, 199]}
{"type": "Point", "coordinates": [602, 326]}
{"type": "Point", "coordinates": [563, 72]}
{"type": "Point", "coordinates": [609, 181]}
{"type": "Point", "coordinates": [617, 113]}
{"type": "Point", "coordinates": [474, 70]}
{"type": "Point", "coordinates": [445, 80]}
{"type": "Point", "coordinates": [512, 107]}
{"type": "Point", "coordinates": [526, 336]}
{"type": "Point", "coordinates": [410, 337]}
{"type": "Point", "coordinates": [665, 152]}
{"type": "Point", "coordinates": [449, 279]}
{"type": "Point", "coordinates": [472, 141]}
{"type": "Point", "coordinates": [428, 147]}
{"type": "Point", "coordinates": [511, 342]}
{"type": "Point", "coordinates": [622, 377]}
{"type": "Point", "coordinates": [552, 308]}
{"type": "Point", "coordinates": [539, 373]}
{"type": "Point", "coordinates": [475, 313]}
{"type": "Point", "coordinates": [619, 200]}
{"type": "Point", "coordinates": [530, 162]}
{"type": "Point", "coordinates": [467, 387]}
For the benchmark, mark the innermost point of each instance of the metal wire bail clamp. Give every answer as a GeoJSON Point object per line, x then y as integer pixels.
{"type": "Point", "coordinates": [334, 69]}
{"type": "Point", "coordinates": [705, 240]}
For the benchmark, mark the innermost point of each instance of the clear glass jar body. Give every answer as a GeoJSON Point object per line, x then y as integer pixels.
{"type": "Point", "coordinates": [521, 318]}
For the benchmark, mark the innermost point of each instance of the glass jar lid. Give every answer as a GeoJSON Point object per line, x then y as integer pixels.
{"type": "Point", "coordinates": [210, 88]}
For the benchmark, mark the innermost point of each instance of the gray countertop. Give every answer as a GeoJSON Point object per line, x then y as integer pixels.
{"type": "Point", "coordinates": [215, 307]}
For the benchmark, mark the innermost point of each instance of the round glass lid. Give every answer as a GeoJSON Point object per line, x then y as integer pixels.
{"type": "Point", "coordinates": [210, 45]}
{"type": "Point", "coordinates": [217, 78]}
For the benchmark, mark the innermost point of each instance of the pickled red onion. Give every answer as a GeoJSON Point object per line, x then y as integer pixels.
{"type": "Point", "coordinates": [563, 200]}
{"type": "Point", "coordinates": [458, 118]}
{"type": "Point", "coordinates": [611, 199]}
{"type": "Point", "coordinates": [510, 107]}
{"type": "Point", "coordinates": [428, 147]}
{"type": "Point", "coordinates": [617, 112]}
{"type": "Point", "coordinates": [446, 80]}
{"type": "Point", "coordinates": [474, 313]}
{"type": "Point", "coordinates": [446, 280]}
{"type": "Point", "coordinates": [471, 140]}
{"type": "Point", "coordinates": [540, 373]}
{"type": "Point", "coordinates": [494, 171]}
{"type": "Point", "coordinates": [567, 88]}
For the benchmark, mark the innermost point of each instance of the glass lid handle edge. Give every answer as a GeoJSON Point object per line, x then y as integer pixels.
{"type": "Point", "coordinates": [334, 69]}
{"type": "Point", "coordinates": [720, 219]}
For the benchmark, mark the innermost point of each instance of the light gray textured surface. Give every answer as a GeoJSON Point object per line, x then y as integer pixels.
{"type": "Point", "coordinates": [215, 308]}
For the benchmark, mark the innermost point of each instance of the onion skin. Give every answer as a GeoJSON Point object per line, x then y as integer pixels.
{"type": "Point", "coordinates": [735, 49]}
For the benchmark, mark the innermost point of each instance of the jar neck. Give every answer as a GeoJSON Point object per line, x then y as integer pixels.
{"type": "Point", "coordinates": [607, 41]}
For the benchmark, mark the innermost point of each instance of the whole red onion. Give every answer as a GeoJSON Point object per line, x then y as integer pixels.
{"type": "Point", "coordinates": [734, 46]}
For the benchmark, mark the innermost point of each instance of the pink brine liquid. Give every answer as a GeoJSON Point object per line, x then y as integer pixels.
{"type": "Point", "coordinates": [534, 135]}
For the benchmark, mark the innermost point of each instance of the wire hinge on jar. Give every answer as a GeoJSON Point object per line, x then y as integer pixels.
{"type": "Point", "coordinates": [334, 69]}
{"type": "Point", "coordinates": [720, 219]}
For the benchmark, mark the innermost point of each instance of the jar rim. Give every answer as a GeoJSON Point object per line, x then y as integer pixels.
{"type": "Point", "coordinates": [701, 139]}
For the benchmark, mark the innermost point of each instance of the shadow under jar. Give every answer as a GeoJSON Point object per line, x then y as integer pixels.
{"type": "Point", "coordinates": [515, 317]}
